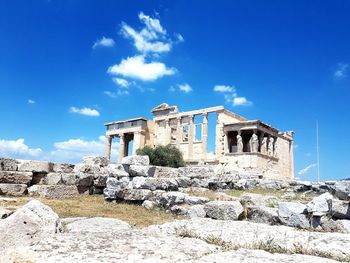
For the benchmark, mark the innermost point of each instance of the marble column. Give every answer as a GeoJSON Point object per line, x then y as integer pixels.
{"type": "Point", "coordinates": [205, 135]}
{"type": "Point", "coordinates": [178, 132]}
{"type": "Point", "coordinates": [137, 142]}
{"type": "Point", "coordinates": [239, 142]}
{"type": "Point", "coordinates": [121, 148]}
{"type": "Point", "coordinates": [108, 146]}
{"type": "Point", "coordinates": [167, 132]}
{"type": "Point", "coordinates": [190, 137]}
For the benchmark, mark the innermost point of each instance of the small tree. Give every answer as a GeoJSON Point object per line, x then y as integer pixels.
{"type": "Point", "coordinates": [163, 155]}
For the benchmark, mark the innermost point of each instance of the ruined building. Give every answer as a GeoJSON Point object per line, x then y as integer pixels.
{"type": "Point", "coordinates": [245, 145]}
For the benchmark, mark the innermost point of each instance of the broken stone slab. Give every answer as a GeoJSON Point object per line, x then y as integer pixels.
{"type": "Point", "coordinates": [196, 211]}
{"type": "Point", "coordinates": [134, 194]}
{"type": "Point", "coordinates": [320, 205]}
{"type": "Point", "coordinates": [95, 160]}
{"type": "Point", "coordinates": [35, 166]}
{"type": "Point", "coordinates": [116, 170]}
{"type": "Point", "coordinates": [223, 210]}
{"type": "Point", "coordinates": [293, 214]}
{"type": "Point", "coordinates": [13, 189]}
{"type": "Point", "coordinates": [86, 168]}
{"type": "Point", "coordinates": [29, 224]}
{"type": "Point", "coordinates": [62, 168]}
{"type": "Point", "coordinates": [341, 189]}
{"type": "Point", "coordinates": [251, 199]}
{"type": "Point", "coordinates": [340, 209]}
{"type": "Point", "coordinates": [53, 191]}
{"type": "Point", "coordinates": [68, 178]}
{"type": "Point", "coordinates": [142, 160]}
{"type": "Point", "coordinates": [263, 214]}
{"type": "Point", "coordinates": [15, 177]}
{"type": "Point", "coordinates": [7, 164]}
{"type": "Point", "coordinates": [142, 170]}
{"type": "Point", "coordinates": [50, 178]}
{"type": "Point", "coordinates": [170, 199]}
{"type": "Point", "coordinates": [196, 200]}
{"type": "Point", "coordinates": [97, 225]}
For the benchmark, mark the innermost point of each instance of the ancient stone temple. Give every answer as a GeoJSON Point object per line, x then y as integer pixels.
{"type": "Point", "coordinates": [245, 145]}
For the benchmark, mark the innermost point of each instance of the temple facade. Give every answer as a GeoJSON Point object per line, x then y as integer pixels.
{"type": "Point", "coordinates": [250, 146]}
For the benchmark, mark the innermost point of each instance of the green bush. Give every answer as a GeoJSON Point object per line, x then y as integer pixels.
{"type": "Point", "coordinates": [163, 155]}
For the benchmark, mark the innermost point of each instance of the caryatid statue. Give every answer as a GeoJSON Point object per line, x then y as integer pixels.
{"type": "Point", "coordinates": [254, 143]}
{"type": "Point", "coordinates": [263, 148]}
{"type": "Point", "coordinates": [270, 146]}
{"type": "Point", "coordinates": [239, 143]}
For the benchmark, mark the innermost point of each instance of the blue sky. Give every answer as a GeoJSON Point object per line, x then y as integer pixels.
{"type": "Point", "coordinates": [67, 67]}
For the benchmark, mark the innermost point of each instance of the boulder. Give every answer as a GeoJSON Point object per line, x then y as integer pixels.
{"type": "Point", "coordinates": [95, 160]}
{"type": "Point", "coordinates": [136, 160]}
{"type": "Point", "coordinates": [195, 200]}
{"type": "Point", "coordinates": [340, 209]}
{"type": "Point", "coordinates": [196, 211]}
{"type": "Point", "coordinates": [35, 166]}
{"type": "Point", "coordinates": [320, 205]}
{"type": "Point", "coordinates": [341, 189]}
{"type": "Point", "coordinates": [169, 199]}
{"type": "Point", "coordinates": [263, 214]}
{"type": "Point", "coordinates": [97, 225]}
{"type": "Point", "coordinates": [293, 214]}
{"type": "Point", "coordinates": [29, 224]}
{"type": "Point", "coordinates": [116, 170]}
{"type": "Point", "coordinates": [148, 204]}
{"type": "Point", "coordinates": [134, 194]}
{"type": "Point", "coordinates": [7, 164]}
{"type": "Point", "coordinates": [62, 168]}
{"type": "Point", "coordinates": [13, 189]}
{"type": "Point", "coordinates": [223, 210]}
{"type": "Point", "coordinates": [15, 177]}
{"type": "Point", "coordinates": [53, 191]}
{"type": "Point", "coordinates": [142, 170]}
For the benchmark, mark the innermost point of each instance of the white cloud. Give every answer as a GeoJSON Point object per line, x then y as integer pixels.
{"type": "Point", "coordinates": [307, 169]}
{"type": "Point", "coordinates": [123, 83]}
{"type": "Point", "coordinates": [179, 38]}
{"type": "Point", "coordinates": [73, 150]}
{"type": "Point", "coordinates": [224, 89]}
{"type": "Point", "coordinates": [151, 39]}
{"type": "Point", "coordinates": [30, 101]}
{"type": "Point", "coordinates": [185, 88]}
{"type": "Point", "coordinates": [18, 149]}
{"type": "Point", "coordinates": [241, 101]}
{"type": "Point", "coordinates": [231, 96]}
{"type": "Point", "coordinates": [341, 71]}
{"type": "Point", "coordinates": [119, 92]}
{"type": "Point", "coordinates": [85, 111]}
{"type": "Point", "coordinates": [104, 42]}
{"type": "Point", "coordinates": [136, 67]}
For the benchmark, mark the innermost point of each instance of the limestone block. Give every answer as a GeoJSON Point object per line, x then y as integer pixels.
{"type": "Point", "coordinates": [179, 210]}
{"type": "Point", "coordinates": [167, 172]}
{"type": "Point", "coordinates": [196, 182]}
{"type": "Point", "coordinates": [95, 160]}
{"type": "Point", "coordinates": [320, 205]}
{"type": "Point", "coordinates": [195, 200]}
{"type": "Point", "coordinates": [167, 184]}
{"type": "Point", "coordinates": [183, 181]}
{"type": "Point", "coordinates": [68, 178]}
{"type": "Point", "coordinates": [136, 160]}
{"type": "Point", "coordinates": [196, 211]}
{"type": "Point", "coordinates": [101, 180]}
{"type": "Point", "coordinates": [251, 199]}
{"type": "Point", "coordinates": [83, 179]}
{"type": "Point", "coordinates": [15, 177]}
{"type": "Point", "coordinates": [62, 168]}
{"type": "Point", "coordinates": [293, 214]}
{"type": "Point", "coordinates": [341, 189]}
{"type": "Point", "coordinates": [52, 179]}
{"type": "Point", "coordinates": [141, 170]}
{"type": "Point", "coordinates": [7, 164]}
{"type": "Point", "coordinates": [148, 204]}
{"type": "Point", "coordinates": [116, 170]}
{"type": "Point", "coordinates": [340, 209]}
{"type": "Point", "coordinates": [223, 210]}
{"type": "Point", "coordinates": [134, 194]}
{"type": "Point", "coordinates": [13, 189]}
{"type": "Point", "coordinates": [35, 166]}
{"type": "Point", "coordinates": [169, 199]}
{"type": "Point", "coordinates": [87, 168]}
{"type": "Point", "coordinates": [263, 214]}
{"type": "Point", "coordinates": [53, 191]}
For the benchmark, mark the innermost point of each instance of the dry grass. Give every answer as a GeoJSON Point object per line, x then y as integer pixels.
{"type": "Point", "coordinates": [94, 205]}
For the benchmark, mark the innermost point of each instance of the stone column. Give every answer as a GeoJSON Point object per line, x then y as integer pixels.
{"type": "Point", "coordinates": [121, 148]}
{"type": "Point", "coordinates": [190, 137]}
{"type": "Point", "coordinates": [178, 132]}
{"type": "Point", "coordinates": [167, 132]}
{"type": "Point", "coordinates": [108, 146]}
{"type": "Point", "coordinates": [137, 142]}
{"type": "Point", "coordinates": [205, 135]}
{"type": "Point", "coordinates": [239, 142]}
